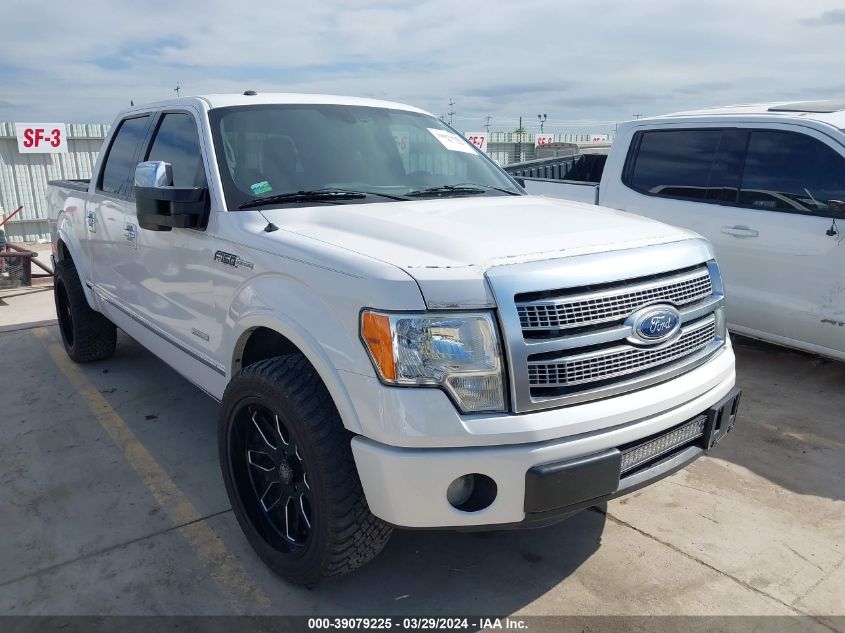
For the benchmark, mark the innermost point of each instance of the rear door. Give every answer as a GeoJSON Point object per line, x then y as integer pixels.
{"type": "Point", "coordinates": [109, 204]}
{"type": "Point", "coordinates": [792, 191]}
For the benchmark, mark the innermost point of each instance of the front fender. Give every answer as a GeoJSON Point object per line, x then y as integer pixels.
{"type": "Point", "coordinates": [326, 336]}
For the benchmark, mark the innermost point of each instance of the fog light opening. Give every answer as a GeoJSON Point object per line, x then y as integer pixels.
{"type": "Point", "coordinates": [472, 492]}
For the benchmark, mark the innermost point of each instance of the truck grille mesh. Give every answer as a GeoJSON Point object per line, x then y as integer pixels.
{"type": "Point", "coordinates": [619, 360]}
{"type": "Point", "coordinates": [614, 304]}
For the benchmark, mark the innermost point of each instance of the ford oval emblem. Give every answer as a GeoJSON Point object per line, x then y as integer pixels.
{"type": "Point", "coordinates": [656, 323]}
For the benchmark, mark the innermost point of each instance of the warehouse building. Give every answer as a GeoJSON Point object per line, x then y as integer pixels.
{"type": "Point", "coordinates": [24, 172]}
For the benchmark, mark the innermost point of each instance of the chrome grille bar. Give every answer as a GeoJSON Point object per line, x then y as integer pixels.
{"type": "Point", "coordinates": [620, 360]}
{"type": "Point", "coordinates": [613, 304]}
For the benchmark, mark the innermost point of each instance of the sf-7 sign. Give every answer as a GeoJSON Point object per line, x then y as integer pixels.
{"type": "Point", "coordinates": [479, 139]}
{"type": "Point", "coordinates": [41, 138]}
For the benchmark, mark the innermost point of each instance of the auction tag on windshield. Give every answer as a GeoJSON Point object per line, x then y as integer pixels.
{"type": "Point", "coordinates": [451, 141]}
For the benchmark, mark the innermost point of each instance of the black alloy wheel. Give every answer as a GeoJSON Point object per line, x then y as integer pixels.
{"type": "Point", "coordinates": [271, 477]}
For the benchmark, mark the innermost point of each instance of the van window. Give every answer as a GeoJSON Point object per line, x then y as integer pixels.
{"type": "Point", "coordinates": [788, 171]}
{"type": "Point", "coordinates": [675, 163]}
{"type": "Point", "coordinates": [123, 155]}
{"type": "Point", "coordinates": [177, 142]}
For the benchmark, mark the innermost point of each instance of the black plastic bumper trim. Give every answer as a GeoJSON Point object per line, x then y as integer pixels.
{"type": "Point", "coordinates": [550, 486]}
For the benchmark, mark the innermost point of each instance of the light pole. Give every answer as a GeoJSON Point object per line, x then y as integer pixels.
{"type": "Point", "coordinates": [542, 118]}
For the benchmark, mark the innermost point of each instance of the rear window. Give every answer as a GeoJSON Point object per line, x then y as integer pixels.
{"type": "Point", "coordinates": [123, 155]}
{"type": "Point", "coordinates": [674, 163]}
{"type": "Point", "coordinates": [788, 171]}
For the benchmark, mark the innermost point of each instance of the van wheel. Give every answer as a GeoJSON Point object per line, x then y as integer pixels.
{"type": "Point", "coordinates": [87, 335]}
{"type": "Point", "coordinates": [288, 468]}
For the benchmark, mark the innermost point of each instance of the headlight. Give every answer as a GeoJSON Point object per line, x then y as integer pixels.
{"type": "Point", "coordinates": [456, 352]}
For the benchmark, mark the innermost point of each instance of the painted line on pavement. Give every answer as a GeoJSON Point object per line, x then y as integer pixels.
{"type": "Point", "coordinates": [224, 568]}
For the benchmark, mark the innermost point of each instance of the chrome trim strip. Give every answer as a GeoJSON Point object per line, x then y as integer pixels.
{"type": "Point", "coordinates": [608, 335]}
{"type": "Point", "coordinates": [198, 356]}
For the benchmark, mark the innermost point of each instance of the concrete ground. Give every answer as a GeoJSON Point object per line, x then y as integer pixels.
{"type": "Point", "coordinates": [112, 503]}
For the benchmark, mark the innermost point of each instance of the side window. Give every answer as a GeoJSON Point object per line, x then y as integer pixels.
{"type": "Point", "coordinates": [177, 142]}
{"type": "Point", "coordinates": [788, 171]}
{"type": "Point", "coordinates": [123, 155]}
{"type": "Point", "coordinates": [675, 163]}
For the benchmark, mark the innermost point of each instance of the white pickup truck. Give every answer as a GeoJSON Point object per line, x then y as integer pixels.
{"type": "Point", "coordinates": [765, 184]}
{"type": "Point", "coordinates": [397, 334]}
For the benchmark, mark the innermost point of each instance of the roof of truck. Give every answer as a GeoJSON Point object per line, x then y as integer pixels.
{"type": "Point", "coordinates": [831, 111]}
{"type": "Point", "coordinates": [264, 98]}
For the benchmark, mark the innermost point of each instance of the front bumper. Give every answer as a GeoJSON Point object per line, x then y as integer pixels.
{"type": "Point", "coordinates": [538, 483]}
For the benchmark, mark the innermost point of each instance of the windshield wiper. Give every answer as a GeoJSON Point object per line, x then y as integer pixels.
{"type": "Point", "coordinates": [510, 192]}
{"type": "Point", "coordinates": [469, 188]}
{"type": "Point", "coordinates": [389, 196]}
{"type": "Point", "coordinates": [445, 190]}
{"type": "Point", "coordinates": [316, 195]}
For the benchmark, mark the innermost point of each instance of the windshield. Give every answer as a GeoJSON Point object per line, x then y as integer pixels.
{"type": "Point", "coordinates": [268, 151]}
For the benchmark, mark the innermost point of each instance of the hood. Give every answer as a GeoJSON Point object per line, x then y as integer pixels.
{"type": "Point", "coordinates": [458, 239]}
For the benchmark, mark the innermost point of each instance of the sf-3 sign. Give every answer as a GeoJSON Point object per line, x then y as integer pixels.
{"type": "Point", "coordinates": [41, 138]}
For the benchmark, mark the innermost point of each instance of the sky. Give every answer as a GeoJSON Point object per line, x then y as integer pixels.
{"type": "Point", "coordinates": [585, 64]}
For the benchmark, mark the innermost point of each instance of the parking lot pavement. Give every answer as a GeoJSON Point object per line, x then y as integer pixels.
{"type": "Point", "coordinates": [112, 503]}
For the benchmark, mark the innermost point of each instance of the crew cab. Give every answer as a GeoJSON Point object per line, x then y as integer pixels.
{"type": "Point", "coordinates": [765, 184]}
{"type": "Point", "coordinates": [397, 334]}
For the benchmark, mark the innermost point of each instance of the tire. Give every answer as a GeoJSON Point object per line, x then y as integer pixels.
{"type": "Point", "coordinates": [287, 464]}
{"type": "Point", "coordinates": [87, 335]}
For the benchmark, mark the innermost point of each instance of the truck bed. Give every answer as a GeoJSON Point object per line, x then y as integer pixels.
{"type": "Point", "coordinates": [569, 177]}
{"type": "Point", "coordinates": [80, 184]}
{"type": "Point", "coordinates": [567, 189]}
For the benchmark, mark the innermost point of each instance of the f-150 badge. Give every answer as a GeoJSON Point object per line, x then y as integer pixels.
{"type": "Point", "coordinates": [232, 260]}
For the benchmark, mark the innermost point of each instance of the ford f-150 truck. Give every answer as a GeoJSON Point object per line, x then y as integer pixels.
{"type": "Point", "coordinates": [397, 334]}
{"type": "Point", "coordinates": [765, 184]}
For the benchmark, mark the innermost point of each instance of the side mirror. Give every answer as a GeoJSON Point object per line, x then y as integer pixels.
{"type": "Point", "coordinates": [160, 205]}
{"type": "Point", "coordinates": [154, 173]}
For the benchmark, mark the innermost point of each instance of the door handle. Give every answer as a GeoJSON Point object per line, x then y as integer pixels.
{"type": "Point", "coordinates": [130, 234]}
{"type": "Point", "coordinates": [740, 231]}
{"type": "Point", "coordinates": [91, 221]}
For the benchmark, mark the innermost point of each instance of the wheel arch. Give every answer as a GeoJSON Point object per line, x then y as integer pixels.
{"type": "Point", "coordinates": [67, 248]}
{"type": "Point", "coordinates": [267, 334]}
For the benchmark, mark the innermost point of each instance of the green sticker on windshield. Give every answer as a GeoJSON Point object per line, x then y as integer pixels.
{"type": "Point", "coordinates": [261, 187]}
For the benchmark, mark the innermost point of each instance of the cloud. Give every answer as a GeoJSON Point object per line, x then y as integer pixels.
{"type": "Point", "coordinates": [827, 18]}
{"type": "Point", "coordinates": [498, 90]}
{"type": "Point", "coordinates": [576, 61]}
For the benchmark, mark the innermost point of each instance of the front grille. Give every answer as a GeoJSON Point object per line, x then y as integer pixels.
{"type": "Point", "coordinates": [619, 360]}
{"type": "Point", "coordinates": [571, 324]}
{"type": "Point", "coordinates": [613, 304]}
